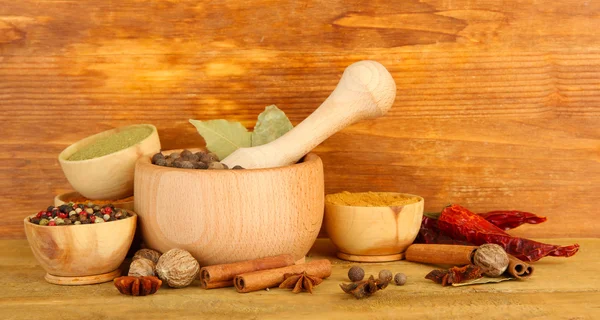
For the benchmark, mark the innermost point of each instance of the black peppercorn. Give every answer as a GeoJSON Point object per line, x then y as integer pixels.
{"type": "Point", "coordinates": [356, 273]}
{"type": "Point", "coordinates": [237, 167]}
{"type": "Point", "coordinates": [174, 155]}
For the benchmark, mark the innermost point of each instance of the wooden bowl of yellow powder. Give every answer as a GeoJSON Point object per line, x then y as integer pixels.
{"type": "Point", "coordinates": [372, 226]}
{"type": "Point", "coordinates": [102, 166]}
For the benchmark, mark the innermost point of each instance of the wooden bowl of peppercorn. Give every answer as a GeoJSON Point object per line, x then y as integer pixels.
{"type": "Point", "coordinates": [81, 254]}
{"type": "Point", "coordinates": [223, 216]}
{"type": "Point", "coordinates": [108, 176]}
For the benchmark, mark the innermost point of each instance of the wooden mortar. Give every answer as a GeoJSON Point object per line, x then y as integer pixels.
{"type": "Point", "coordinates": [224, 216]}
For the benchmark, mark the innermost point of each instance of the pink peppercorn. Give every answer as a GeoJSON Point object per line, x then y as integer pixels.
{"type": "Point", "coordinates": [39, 214]}
{"type": "Point", "coordinates": [48, 214]}
{"type": "Point", "coordinates": [52, 223]}
{"type": "Point", "coordinates": [93, 219]}
{"type": "Point", "coordinates": [62, 215]}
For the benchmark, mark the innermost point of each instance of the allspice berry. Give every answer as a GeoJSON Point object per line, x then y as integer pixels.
{"type": "Point", "coordinates": [385, 275]}
{"type": "Point", "coordinates": [356, 273]}
{"type": "Point", "coordinates": [400, 279]}
{"type": "Point", "coordinates": [178, 268]}
{"type": "Point", "coordinates": [149, 254]}
{"type": "Point", "coordinates": [141, 267]}
{"type": "Point", "coordinates": [492, 259]}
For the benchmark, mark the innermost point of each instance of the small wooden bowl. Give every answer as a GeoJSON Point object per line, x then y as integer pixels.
{"type": "Point", "coordinates": [109, 176]}
{"type": "Point", "coordinates": [223, 216]}
{"type": "Point", "coordinates": [81, 254]}
{"type": "Point", "coordinates": [373, 234]}
{"type": "Point", "coordinates": [65, 197]}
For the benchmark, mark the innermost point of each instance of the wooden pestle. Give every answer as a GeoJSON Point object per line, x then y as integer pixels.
{"type": "Point", "coordinates": [365, 91]}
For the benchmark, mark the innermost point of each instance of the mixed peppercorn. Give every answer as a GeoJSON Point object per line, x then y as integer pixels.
{"type": "Point", "coordinates": [68, 214]}
{"type": "Point", "coordinates": [189, 160]}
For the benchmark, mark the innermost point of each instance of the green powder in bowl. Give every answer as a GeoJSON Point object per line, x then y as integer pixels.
{"type": "Point", "coordinates": [112, 143]}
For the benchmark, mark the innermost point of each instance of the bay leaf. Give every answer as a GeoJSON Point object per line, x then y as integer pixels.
{"type": "Point", "coordinates": [223, 137]}
{"type": "Point", "coordinates": [483, 280]}
{"type": "Point", "coordinates": [272, 124]}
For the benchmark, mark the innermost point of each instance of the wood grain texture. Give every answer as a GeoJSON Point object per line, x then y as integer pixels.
{"type": "Point", "coordinates": [559, 289]}
{"type": "Point", "coordinates": [367, 233]}
{"type": "Point", "coordinates": [80, 251]}
{"type": "Point", "coordinates": [226, 216]}
{"type": "Point", "coordinates": [497, 102]}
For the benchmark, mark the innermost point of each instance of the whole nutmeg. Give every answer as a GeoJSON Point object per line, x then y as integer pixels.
{"type": "Point", "coordinates": [385, 275]}
{"type": "Point", "coordinates": [492, 259]}
{"type": "Point", "coordinates": [400, 279]}
{"type": "Point", "coordinates": [149, 254]}
{"type": "Point", "coordinates": [141, 267]}
{"type": "Point", "coordinates": [356, 273]}
{"type": "Point", "coordinates": [178, 268]}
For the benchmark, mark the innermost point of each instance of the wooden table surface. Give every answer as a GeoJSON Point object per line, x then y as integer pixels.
{"type": "Point", "coordinates": [498, 102]}
{"type": "Point", "coordinates": [559, 289]}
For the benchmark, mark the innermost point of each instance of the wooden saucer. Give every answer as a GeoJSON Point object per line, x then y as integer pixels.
{"type": "Point", "coordinates": [78, 281]}
{"type": "Point", "coordinates": [383, 258]}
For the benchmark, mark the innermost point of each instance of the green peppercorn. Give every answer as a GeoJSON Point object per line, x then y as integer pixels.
{"type": "Point", "coordinates": [89, 210]}
{"type": "Point", "coordinates": [59, 221]}
{"type": "Point", "coordinates": [77, 222]}
{"type": "Point", "coordinates": [44, 222]}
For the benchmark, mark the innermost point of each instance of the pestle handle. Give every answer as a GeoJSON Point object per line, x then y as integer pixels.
{"type": "Point", "coordinates": [365, 91]}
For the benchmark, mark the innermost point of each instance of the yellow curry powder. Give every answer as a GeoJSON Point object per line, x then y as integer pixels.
{"type": "Point", "coordinates": [370, 199]}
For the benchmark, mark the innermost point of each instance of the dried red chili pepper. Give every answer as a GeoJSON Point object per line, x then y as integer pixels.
{"type": "Point", "coordinates": [455, 275]}
{"type": "Point", "coordinates": [507, 220]}
{"type": "Point", "coordinates": [430, 233]}
{"type": "Point", "coordinates": [461, 224]}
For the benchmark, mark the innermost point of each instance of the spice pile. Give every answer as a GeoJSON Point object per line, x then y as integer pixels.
{"type": "Point", "coordinates": [112, 143]}
{"type": "Point", "coordinates": [458, 225]}
{"type": "Point", "coordinates": [82, 199]}
{"type": "Point", "coordinates": [68, 214]}
{"type": "Point", "coordinates": [370, 199]}
{"type": "Point", "coordinates": [360, 288]}
{"type": "Point", "coordinates": [149, 269]}
{"type": "Point", "coordinates": [189, 160]}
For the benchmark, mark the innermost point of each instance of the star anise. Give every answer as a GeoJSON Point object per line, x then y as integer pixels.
{"type": "Point", "coordinates": [299, 282]}
{"type": "Point", "coordinates": [454, 275]}
{"type": "Point", "coordinates": [364, 288]}
{"type": "Point", "coordinates": [137, 286]}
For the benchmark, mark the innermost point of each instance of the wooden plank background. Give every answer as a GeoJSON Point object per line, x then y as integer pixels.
{"type": "Point", "coordinates": [497, 105]}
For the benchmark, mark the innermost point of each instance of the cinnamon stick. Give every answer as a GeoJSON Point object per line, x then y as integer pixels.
{"type": "Point", "coordinates": [451, 254]}
{"type": "Point", "coordinates": [519, 269]}
{"type": "Point", "coordinates": [259, 280]}
{"type": "Point", "coordinates": [220, 276]}
{"type": "Point", "coordinates": [216, 285]}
